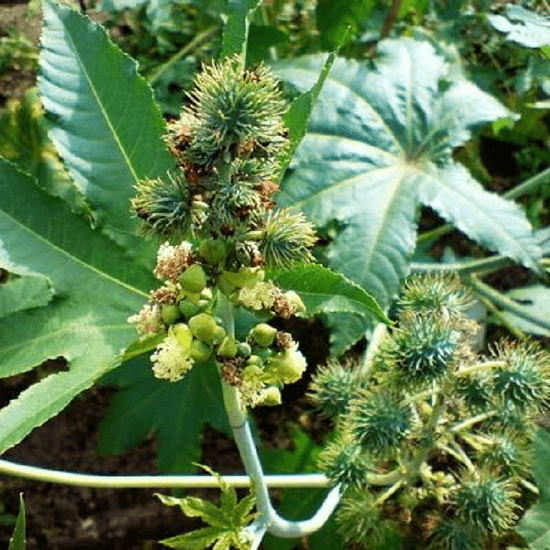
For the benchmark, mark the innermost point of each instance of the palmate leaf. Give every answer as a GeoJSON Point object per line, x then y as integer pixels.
{"type": "Point", "coordinates": [380, 143]}
{"type": "Point", "coordinates": [95, 288]}
{"type": "Point", "coordinates": [522, 26]}
{"type": "Point", "coordinates": [175, 411]}
{"type": "Point", "coordinates": [103, 119]}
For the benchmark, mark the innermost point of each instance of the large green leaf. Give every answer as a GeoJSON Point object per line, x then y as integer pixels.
{"type": "Point", "coordinates": [176, 412]}
{"type": "Point", "coordinates": [380, 143]}
{"type": "Point", "coordinates": [95, 288]}
{"type": "Point", "coordinates": [522, 26]}
{"type": "Point", "coordinates": [104, 121]}
{"type": "Point", "coordinates": [324, 291]}
{"type": "Point", "coordinates": [535, 524]}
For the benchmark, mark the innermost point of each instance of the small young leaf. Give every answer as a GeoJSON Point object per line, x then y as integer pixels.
{"type": "Point", "coordinates": [237, 22]}
{"type": "Point", "coordinates": [324, 291]}
{"type": "Point", "coordinates": [195, 540]}
{"type": "Point", "coordinates": [18, 541]}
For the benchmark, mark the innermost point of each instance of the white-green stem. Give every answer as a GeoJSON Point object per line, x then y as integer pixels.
{"type": "Point", "coordinates": [268, 520]}
{"type": "Point", "coordinates": [47, 475]}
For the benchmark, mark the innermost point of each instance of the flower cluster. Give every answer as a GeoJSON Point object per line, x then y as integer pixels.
{"type": "Point", "coordinates": [229, 144]}
{"type": "Point", "coordinates": [430, 433]}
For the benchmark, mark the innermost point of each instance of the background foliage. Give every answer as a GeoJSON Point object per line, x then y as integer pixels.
{"type": "Point", "coordinates": [431, 125]}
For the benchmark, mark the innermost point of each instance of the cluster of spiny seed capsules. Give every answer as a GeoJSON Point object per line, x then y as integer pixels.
{"type": "Point", "coordinates": [229, 144]}
{"type": "Point", "coordinates": [433, 439]}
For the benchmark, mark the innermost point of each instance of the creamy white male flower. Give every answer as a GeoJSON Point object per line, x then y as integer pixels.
{"type": "Point", "coordinates": [172, 260]}
{"type": "Point", "coordinates": [148, 321]}
{"type": "Point", "coordinates": [171, 360]}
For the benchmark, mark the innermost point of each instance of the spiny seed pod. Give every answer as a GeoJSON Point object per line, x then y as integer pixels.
{"type": "Point", "coordinates": [344, 463]}
{"type": "Point", "coordinates": [200, 351]}
{"type": "Point", "coordinates": [453, 534]}
{"type": "Point", "coordinates": [193, 279]}
{"type": "Point", "coordinates": [287, 239]}
{"type": "Point", "coordinates": [422, 349]}
{"type": "Point", "coordinates": [507, 456]}
{"type": "Point", "coordinates": [263, 334]}
{"type": "Point", "coordinates": [234, 106]}
{"type": "Point", "coordinates": [360, 522]}
{"type": "Point", "coordinates": [435, 293]}
{"type": "Point", "coordinates": [525, 381]}
{"type": "Point", "coordinates": [162, 205]}
{"type": "Point", "coordinates": [204, 327]}
{"type": "Point", "coordinates": [332, 389]}
{"type": "Point", "coordinates": [170, 313]}
{"type": "Point", "coordinates": [487, 503]}
{"type": "Point", "coordinates": [379, 423]}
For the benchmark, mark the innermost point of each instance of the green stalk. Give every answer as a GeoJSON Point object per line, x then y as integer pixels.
{"type": "Point", "coordinates": [506, 303]}
{"type": "Point", "coordinates": [186, 50]}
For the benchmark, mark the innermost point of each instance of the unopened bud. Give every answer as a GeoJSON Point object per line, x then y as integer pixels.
{"type": "Point", "coordinates": [169, 313]}
{"type": "Point", "coordinates": [200, 351]}
{"type": "Point", "coordinates": [203, 327]}
{"type": "Point", "coordinates": [288, 366]}
{"type": "Point", "coordinates": [263, 334]}
{"type": "Point", "coordinates": [193, 279]}
{"type": "Point", "coordinates": [228, 347]}
{"type": "Point", "coordinates": [269, 397]}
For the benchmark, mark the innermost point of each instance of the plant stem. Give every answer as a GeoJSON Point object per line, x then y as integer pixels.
{"type": "Point", "coordinates": [507, 303]}
{"type": "Point", "coordinates": [150, 481]}
{"type": "Point", "coordinates": [187, 49]}
{"type": "Point", "coordinates": [469, 422]}
{"type": "Point", "coordinates": [481, 266]}
{"type": "Point", "coordinates": [391, 17]}
{"type": "Point", "coordinates": [268, 520]}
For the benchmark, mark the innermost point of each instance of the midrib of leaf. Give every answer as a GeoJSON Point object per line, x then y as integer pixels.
{"type": "Point", "coordinates": [75, 259]}
{"type": "Point", "coordinates": [102, 109]}
{"type": "Point", "coordinates": [336, 188]}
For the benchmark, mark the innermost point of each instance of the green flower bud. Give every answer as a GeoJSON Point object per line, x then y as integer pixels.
{"type": "Point", "coordinates": [263, 334]}
{"type": "Point", "coordinates": [246, 276]}
{"type": "Point", "coordinates": [200, 351]}
{"type": "Point", "coordinates": [244, 349]}
{"type": "Point", "coordinates": [287, 366]}
{"type": "Point", "coordinates": [204, 327]}
{"type": "Point", "coordinates": [254, 360]}
{"type": "Point", "coordinates": [269, 397]}
{"type": "Point", "coordinates": [219, 335]}
{"type": "Point", "coordinates": [183, 335]}
{"type": "Point", "coordinates": [228, 347]}
{"type": "Point", "coordinates": [193, 279]}
{"type": "Point", "coordinates": [188, 309]}
{"type": "Point", "coordinates": [214, 251]}
{"type": "Point", "coordinates": [169, 313]}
